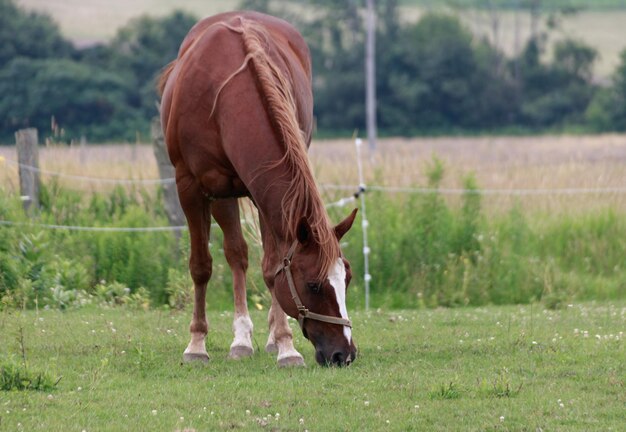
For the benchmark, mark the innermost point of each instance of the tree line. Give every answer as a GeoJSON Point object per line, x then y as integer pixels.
{"type": "Point", "coordinates": [433, 75]}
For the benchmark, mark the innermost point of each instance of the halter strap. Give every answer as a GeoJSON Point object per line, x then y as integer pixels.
{"type": "Point", "coordinates": [303, 312]}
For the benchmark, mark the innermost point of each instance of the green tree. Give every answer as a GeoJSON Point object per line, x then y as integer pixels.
{"type": "Point", "coordinates": [439, 77]}
{"type": "Point", "coordinates": [142, 48]}
{"type": "Point", "coordinates": [29, 34]}
{"type": "Point", "coordinates": [560, 92]}
{"type": "Point", "coordinates": [83, 99]}
{"type": "Point", "coordinates": [607, 111]}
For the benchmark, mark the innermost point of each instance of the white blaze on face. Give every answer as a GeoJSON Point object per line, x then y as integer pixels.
{"type": "Point", "coordinates": [337, 279]}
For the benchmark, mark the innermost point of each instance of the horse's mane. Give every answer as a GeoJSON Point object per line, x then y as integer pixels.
{"type": "Point", "coordinates": [302, 197]}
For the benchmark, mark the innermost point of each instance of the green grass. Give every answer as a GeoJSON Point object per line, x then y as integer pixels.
{"type": "Point", "coordinates": [493, 368]}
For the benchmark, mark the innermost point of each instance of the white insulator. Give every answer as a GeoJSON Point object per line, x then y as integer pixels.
{"type": "Point", "coordinates": [368, 277]}
{"type": "Point", "coordinates": [366, 250]}
{"type": "Point", "coordinates": [365, 224]}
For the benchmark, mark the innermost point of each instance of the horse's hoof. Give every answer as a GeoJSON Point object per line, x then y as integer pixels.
{"type": "Point", "coordinates": [292, 361]}
{"type": "Point", "coordinates": [239, 352]}
{"type": "Point", "coordinates": [195, 358]}
{"type": "Point", "coordinates": [271, 348]}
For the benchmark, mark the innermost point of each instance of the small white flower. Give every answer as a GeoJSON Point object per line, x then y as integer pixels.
{"type": "Point", "coordinates": [501, 418]}
{"type": "Point", "coordinates": [387, 421]}
{"type": "Point", "coordinates": [50, 397]}
{"type": "Point", "coordinates": [301, 421]}
{"type": "Point", "coordinates": [79, 389]}
{"type": "Point", "coordinates": [154, 412]}
{"type": "Point", "coordinates": [367, 403]}
{"type": "Point", "coordinates": [417, 407]}
{"type": "Point", "coordinates": [247, 412]}
{"type": "Point", "coordinates": [182, 418]}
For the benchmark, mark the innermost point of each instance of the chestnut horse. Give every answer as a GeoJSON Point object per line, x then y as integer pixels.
{"type": "Point", "coordinates": [237, 112]}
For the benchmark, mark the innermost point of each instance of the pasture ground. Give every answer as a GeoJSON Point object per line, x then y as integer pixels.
{"type": "Point", "coordinates": [493, 368]}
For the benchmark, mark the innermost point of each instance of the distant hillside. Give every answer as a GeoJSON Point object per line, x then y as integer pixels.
{"type": "Point", "coordinates": [88, 21]}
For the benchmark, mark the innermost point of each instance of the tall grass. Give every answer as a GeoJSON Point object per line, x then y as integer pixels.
{"type": "Point", "coordinates": [427, 251]}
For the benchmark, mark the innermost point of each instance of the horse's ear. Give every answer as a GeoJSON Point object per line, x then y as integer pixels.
{"type": "Point", "coordinates": [303, 232]}
{"type": "Point", "coordinates": [345, 225]}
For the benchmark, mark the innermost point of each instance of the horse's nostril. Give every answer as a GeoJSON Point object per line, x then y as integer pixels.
{"type": "Point", "coordinates": [338, 358]}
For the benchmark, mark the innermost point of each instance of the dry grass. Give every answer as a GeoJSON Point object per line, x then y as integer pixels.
{"type": "Point", "coordinates": [552, 162]}
{"type": "Point", "coordinates": [587, 162]}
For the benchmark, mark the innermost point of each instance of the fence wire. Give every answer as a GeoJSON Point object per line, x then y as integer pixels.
{"type": "Point", "coordinates": [340, 187]}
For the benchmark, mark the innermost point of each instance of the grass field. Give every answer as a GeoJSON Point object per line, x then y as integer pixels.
{"type": "Point", "coordinates": [90, 21]}
{"type": "Point", "coordinates": [495, 368]}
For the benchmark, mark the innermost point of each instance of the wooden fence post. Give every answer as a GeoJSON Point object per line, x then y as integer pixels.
{"type": "Point", "coordinates": [28, 157]}
{"type": "Point", "coordinates": [173, 210]}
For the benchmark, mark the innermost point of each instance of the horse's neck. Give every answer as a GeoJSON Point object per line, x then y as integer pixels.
{"type": "Point", "coordinates": [269, 204]}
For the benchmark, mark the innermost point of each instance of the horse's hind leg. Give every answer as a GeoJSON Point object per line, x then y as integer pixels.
{"type": "Point", "coordinates": [197, 210]}
{"type": "Point", "coordinates": [280, 339]}
{"type": "Point", "coordinates": [226, 214]}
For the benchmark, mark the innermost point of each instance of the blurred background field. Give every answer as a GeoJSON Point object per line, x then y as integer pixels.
{"type": "Point", "coordinates": [599, 23]}
{"type": "Point", "coordinates": [540, 170]}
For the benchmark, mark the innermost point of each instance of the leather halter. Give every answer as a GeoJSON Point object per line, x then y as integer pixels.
{"type": "Point", "coordinates": [303, 312]}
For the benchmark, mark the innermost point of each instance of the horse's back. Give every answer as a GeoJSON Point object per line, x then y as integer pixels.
{"type": "Point", "coordinates": [206, 124]}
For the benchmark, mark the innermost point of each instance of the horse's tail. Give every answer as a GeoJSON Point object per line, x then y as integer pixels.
{"type": "Point", "coordinates": [165, 74]}
{"type": "Point", "coordinates": [302, 197]}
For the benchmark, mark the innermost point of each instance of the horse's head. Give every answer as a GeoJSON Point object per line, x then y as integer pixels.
{"type": "Point", "coordinates": [319, 303]}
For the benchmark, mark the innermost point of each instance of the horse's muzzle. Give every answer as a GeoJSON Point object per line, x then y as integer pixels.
{"type": "Point", "coordinates": [338, 358]}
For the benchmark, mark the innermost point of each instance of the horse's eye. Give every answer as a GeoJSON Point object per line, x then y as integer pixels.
{"type": "Point", "coordinates": [316, 287]}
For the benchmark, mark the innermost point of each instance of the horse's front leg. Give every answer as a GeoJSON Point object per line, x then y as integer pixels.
{"type": "Point", "coordinates": [226, 214]}
{"type": "Point", "coordinates": [280, 339]}
{"type": "Point", "coordinates": [197, 209]}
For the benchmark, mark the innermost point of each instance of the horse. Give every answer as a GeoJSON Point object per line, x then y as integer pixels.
{"type": "Point", "coordinates": [236, 112]}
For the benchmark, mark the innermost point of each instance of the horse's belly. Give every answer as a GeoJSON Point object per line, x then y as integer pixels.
{"type": "Point", "coordinates": [216, 185]}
